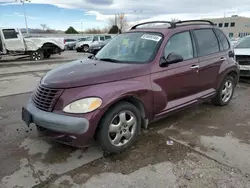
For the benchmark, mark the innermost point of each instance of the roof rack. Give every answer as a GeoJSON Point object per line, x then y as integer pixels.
{"type": "Point", "coordinates": [187, 21]}
{"type": "Point", "coordinates": [173, 24]}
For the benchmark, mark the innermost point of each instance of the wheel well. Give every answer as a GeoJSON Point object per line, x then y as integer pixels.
{"type": "Point", "coordinates": [234, 75]}
{"type": "Point", "coordinates": [133, 100]}
{"type": "Point", "coordinates": [48, 45]}
{"type": "Point", "coordinates": [50, 48]}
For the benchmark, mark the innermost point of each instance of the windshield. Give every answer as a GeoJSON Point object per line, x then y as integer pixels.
{"type": "Point", "coordinates": [81, 39]}
{"type": "Point", "coordinates": [137, 47]}
{"type": "Point", "coordinates": [89, 39]}
{"type": "Point", "coordinates": [243, 43]}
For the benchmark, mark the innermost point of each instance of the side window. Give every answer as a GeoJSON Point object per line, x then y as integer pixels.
{"type": "Point", "coordinates": [9, 33]}
{"type": "Point", "coordinates": [207, 41]}
{"type": "Point", "coordinates": [181, 44]}
{"type": "Point", "coordinates": [102, 38]}
{"type": "Point", "coordinates": [95, 38]}
{"type": "Point", "coordinates": [223, 39]}
{"type": "Point", "coordinates": [107, 37]}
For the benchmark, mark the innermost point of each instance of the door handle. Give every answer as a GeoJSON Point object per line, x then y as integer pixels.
{"type": "Point", "coordinates": [222, 58]}
{"type": "Point", "coordinates": [194, 67]}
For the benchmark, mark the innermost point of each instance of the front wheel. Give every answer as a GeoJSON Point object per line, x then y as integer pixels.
{"type": "Point", "coordinates": [225, 92]}
{"type": "Point", "coordinates": [119, 128]}
{"type": "Point", "coordinates": [37, 55]}
{"type": "Point", "coordinates": [85, 48]}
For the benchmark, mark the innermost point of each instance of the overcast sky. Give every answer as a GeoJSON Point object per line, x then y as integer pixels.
{"type": "Point", "coordinates": [60, 14]}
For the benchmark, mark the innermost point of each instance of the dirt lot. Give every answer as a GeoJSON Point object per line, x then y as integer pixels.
{"type": "Point", "coordinates": [210, 149]}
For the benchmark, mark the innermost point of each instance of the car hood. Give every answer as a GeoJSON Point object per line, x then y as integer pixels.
{"type": "Point", "coordinates": [242, 51]}
{"type": "Point", "coordinates": [88, 72]}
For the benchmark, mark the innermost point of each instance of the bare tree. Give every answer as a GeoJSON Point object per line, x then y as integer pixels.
{"type": "Point", "coordinates": [120, 20]}
{"type": "Point", "coordinates": [174, 20]}
{"type": "Point", "coordinates": [44, 26]}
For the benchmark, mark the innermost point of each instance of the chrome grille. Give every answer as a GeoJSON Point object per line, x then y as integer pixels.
{"type": "Point", "coordinates": [243, 59]}
{"type": "Point", "coordinates": [45, 98]}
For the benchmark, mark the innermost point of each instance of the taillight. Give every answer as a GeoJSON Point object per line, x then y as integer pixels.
{"type": "Point", "coordinates": [64, 41]}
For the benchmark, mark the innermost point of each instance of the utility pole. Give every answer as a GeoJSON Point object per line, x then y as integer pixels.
{"type": "Point", "coordinates": [24, 13]}
{"type": "Point", "coordinates": [81, 28]}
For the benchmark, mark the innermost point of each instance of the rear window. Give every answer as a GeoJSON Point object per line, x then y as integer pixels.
{"type": "Point", "coordinates": [207, 42]}
{"type": "Point", "coordinates": [9, 33]}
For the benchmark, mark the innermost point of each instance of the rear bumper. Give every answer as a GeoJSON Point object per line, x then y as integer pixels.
{"type": "Point", "coordinates": [57, 122]}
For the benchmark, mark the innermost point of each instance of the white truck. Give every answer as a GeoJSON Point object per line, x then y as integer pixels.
{"type": "Point", "coordinates": [13, 43]}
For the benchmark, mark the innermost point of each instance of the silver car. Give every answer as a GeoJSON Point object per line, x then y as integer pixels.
{"type": "Point", "coordinates": [92, 41]}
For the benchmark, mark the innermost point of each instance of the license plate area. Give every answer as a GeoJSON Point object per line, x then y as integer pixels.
{"type": "Point", "coordinates": [26, 116]}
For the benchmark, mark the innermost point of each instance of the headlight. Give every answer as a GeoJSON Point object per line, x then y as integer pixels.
{"type": "Point", "coordinates": [83, 105]}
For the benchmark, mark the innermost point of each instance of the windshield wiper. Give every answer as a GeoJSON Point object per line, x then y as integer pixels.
{"type": "Point", "coordinates": [110, 60]}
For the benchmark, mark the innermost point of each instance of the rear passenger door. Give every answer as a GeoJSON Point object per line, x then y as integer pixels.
{"type": "Point", "coordinates": [211, 56]}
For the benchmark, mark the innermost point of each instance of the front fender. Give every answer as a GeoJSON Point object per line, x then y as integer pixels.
{"type": "Point", "coordinates": [110, 93]}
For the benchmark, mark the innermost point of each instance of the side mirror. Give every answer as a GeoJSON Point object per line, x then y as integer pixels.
{"type": "Point", "coordinates": [171, 59]}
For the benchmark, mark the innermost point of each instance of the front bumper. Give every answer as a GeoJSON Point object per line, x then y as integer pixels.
{"type": "Point", "coordinates": [56, 122]}
{"type": "Point", "coordinates": [245, 70]}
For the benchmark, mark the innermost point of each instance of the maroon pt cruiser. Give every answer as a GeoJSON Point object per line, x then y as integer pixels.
{"type": "Point", "coordinates": [140, 76]}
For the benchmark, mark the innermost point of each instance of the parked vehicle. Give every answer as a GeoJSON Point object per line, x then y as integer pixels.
{"type": "Point", "coordinates": [242, 55]}
{"type": "Point", "coordinates": [96, 48]}
{"type": "Point", "coordinates": [13, 43]}
{"type": "Point", "coordinates": [69, 44]}
{"type": "Point", "coordinates": [79, 40]}
{"type": "Point", "coordinates": [234, 41]}
{"type": "Point", "coordinates": [91, 41]}
{"type": "Point", "coordinates": [139, 77]}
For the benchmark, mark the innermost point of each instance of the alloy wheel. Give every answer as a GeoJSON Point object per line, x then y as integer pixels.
{"type": "Point", "coordinates": [227, 91]}
{"type": "Point", "coordinates": [122, 128]}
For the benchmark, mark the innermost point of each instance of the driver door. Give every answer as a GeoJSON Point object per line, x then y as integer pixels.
{"type": "Point", "coordinates": [179, 81]}
{"type": "Point", "coordinates": [13, 40]}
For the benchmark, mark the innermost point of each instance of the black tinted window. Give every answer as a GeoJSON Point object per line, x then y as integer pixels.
{"type": "Point", "coordinates": [207, 41]}
{"type": "Point", "coordinates": [107, 37]}
{"type": "Point", "coordinates": [9, 33]}
{"type": "Point", "coordinates": [220, 24]}
{"type": "Point", "coordinates": [102, 39]}
{"type": "Point", "coordinates": [95, 39]}
{"type": "Point", "coordinates": [226, 25]}
{"type": "Point", "coordinates": [223, 39]}
{"type": "Point", "coordinates": [181, 44]}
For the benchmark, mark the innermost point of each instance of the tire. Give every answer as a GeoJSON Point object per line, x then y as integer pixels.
{"type": "Point", "coordinates": [37, 55]}
{"type": "Point", "coordinates": [47, 56]}
{"type": "Point", "coordinates": [123, 134]}
{"type": "Point", "coordinates": [85, 48]}
{"type": "Point", "coordinates": [225, 92]}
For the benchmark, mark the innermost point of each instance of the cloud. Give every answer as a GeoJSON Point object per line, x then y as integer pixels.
{"type": "Point", "coordinates": [21, 15]}
{"type": "Point", "coordinates": [152, 9]}
{"type": "Point", "coordinates": [100, 2]}
{"type": "Point", "coordinates": [16, 14]}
